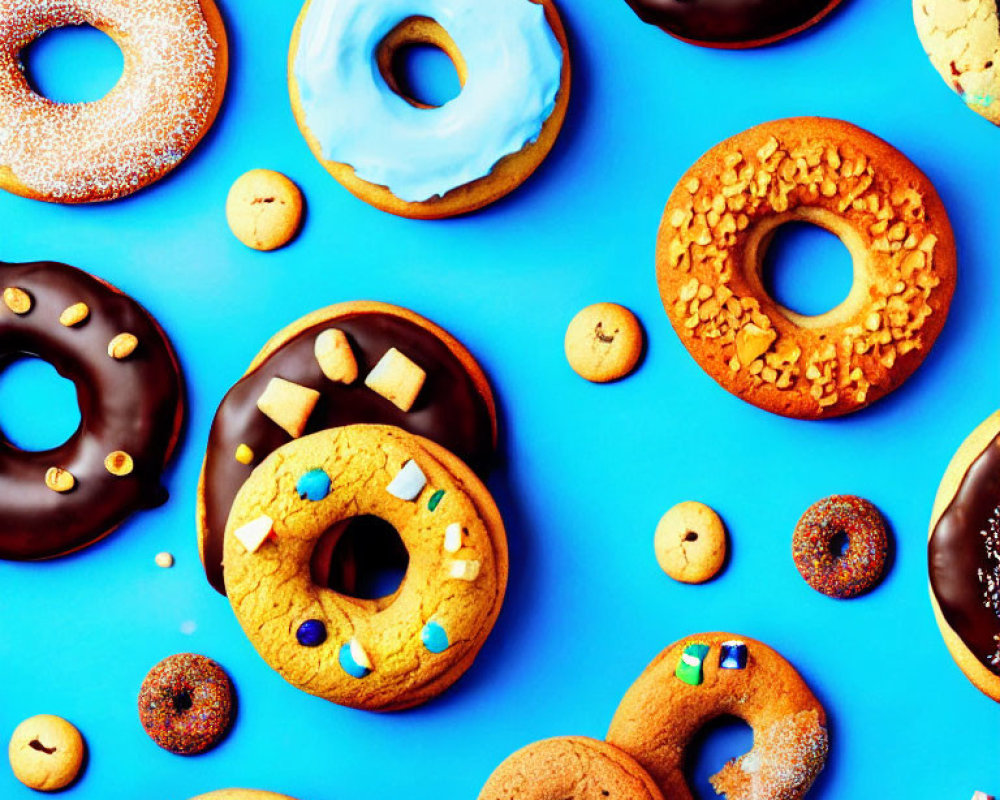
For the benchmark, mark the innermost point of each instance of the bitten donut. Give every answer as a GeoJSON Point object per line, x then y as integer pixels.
{"type": "Point", "coordinates": [176, 62]}
{"type": "Point", "coordinates": [570, 766]}
{"type": "Point", "coordinates": [357, 362]}
{"type": "Point", "coordinates": [709, 675]}
{"type": "Point", "coordinates": [861, 566]}
{"type": "Point", "coordinates": [962, 40]}
{"type": "Point", "coordinates": [716, 229]}
{"type": "Point", "coordinates": [384, 654]}
{"type": "Point", "coordinates": [411, 159]}
{"type": "Point", "coordinates": [130, 393]}
{"type": "Point", "coordinates": [964, 557]}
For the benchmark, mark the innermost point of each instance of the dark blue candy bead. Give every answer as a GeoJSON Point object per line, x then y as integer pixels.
{"type": "Point", "coordinates": [311, 633]}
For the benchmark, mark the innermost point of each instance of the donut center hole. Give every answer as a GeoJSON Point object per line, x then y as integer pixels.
{"type": "Point", "coordinates": [182, 702]}
{"type": "Point", "coordinates": [716, 743]}
{"type": "Point", "coordinates": [420, 62]}
{"type": "Point", "coordinates": [362, 557]}
{"type": "Point", "coordinates": [38, 407]}
{"type": "Point", "coordinates": [839, 544]}
{"type": "Point", "coordinates": [75, 64]}
{"type": "Point", "coordinates": [806, 268]}
{"type": "Point", "coordinates": [35, 744]}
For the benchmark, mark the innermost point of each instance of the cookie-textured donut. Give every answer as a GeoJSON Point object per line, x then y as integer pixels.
{"type": "Point", "coordinates": [46, 753]}
{"type": "Point", "coordinates": [861, 566]}
{"type": "Point", "coordinates": [186, 704]}
{"type": "Point", "coordinates": [130, 393]}
{"type": "Point", "coordinates": [710, 675]}
{"type": "Point", "coordinates": [962, 40]}
{"type": "Point", "coordinates": [716, 229]}
{"type": "Point", "coordinates": [570, 766]}
{"type": "Point", "coordinates": [732, 23]}
{"type": "Point", "coordinates": [964, 556]}
{"type": "Point", "coordinates": [402, 156]}
{"type": "Point", "coordinates": [331, 355]}
{"type": "Point", "coordinates": [176, 62]}
{"type": "Point", "coordinates": [384, 654]}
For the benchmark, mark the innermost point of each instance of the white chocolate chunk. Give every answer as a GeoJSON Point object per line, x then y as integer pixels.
{"type": "Point", "coordinates": [335, 357]}
{"type": "Point", "coordinates": [359, 655]}
{"type": "Point", "coordinates": [408, 483]}
{"type": "Point", "coordinates": [464, 570]}
{"type": "Point", "coordinates": [254, 533]}
{"type": "Point", "coordinates": [397, 379]}
{"type": "Point", "coordinates": [453, 538]}
{"type": "Point", "coordinates": [288, 405]}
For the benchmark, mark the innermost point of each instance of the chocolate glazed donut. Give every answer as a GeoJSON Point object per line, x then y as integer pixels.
{"type": "Point", "coordinates": [131, 408]}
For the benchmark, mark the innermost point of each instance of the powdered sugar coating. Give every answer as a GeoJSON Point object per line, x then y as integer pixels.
{"type": "Point", "coordinates": [151, 119]}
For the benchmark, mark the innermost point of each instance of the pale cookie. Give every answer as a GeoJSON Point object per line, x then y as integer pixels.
{"type": "Point", "coordinates": [264, 209]}
{"type": "Point", "coordinates": [46, 753]}
{"type": "Point", "coordinates": [604, 342]}
{"type": "Point", "coordinates": [690, 542]}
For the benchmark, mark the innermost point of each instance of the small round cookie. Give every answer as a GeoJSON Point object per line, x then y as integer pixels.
{"type": "Point", "coordinates": [715, 232]}
{"type": "Point", "coordinates": [186, 704]}
{"type": "Point", "coordinates": [962, 40]}
{"type": "Point", "coordinates": [46, 753]}
{"type": "Point", "coordinates": [383, 654]}
{"type": "Point", "coordinates": [964, 557]}
{"type": "Point", "coordinates": [690, 542]}
{"type": "Point", "coordinates": [570, 766]}
{"type": "Point", "coordinates": [709, 675]}
{"type": "Point", "coordinates": [603, 342]}
{"type": "Point", "coordinates": [817, 552]}
{"type": "Point", "coordinates": [264, 209]}
{"type": "Point", "coordinates": [242, 794]}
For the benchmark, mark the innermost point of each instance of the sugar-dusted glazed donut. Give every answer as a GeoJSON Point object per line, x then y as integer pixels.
{"type": "Point", "coordinates": [401, 155]}
{"type": "Point", "coordinates": [453, 405]}
{"type": "Point", "coordinates": [130, 393]}
{"type": "Point", "coordinates": [570, 767]}
{"type": "Point", "coordinates": [176, 62]}
{"type": "Point", "coordinates": [964, 556]}
{"type": "Point", "coordinates": [716, 229]}
{"type": "Point", "coordinates": [385, 654]}
{"type": "Point", "coordinates": [709, 675]}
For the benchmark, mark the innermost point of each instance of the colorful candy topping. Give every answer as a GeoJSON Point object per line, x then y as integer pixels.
{"type": "Point", "coordinates": [435, 499]}
{"type": "Point", "coordinates": [255, 533]}
{"type": "Point", "coordinates": [434, 637]}
{"type": "Point", "coordinates": [397, 379]}
{"type": "Point", "coordinates": [164, 560]}
{"type": "Point", "coordinates": [119, 463]}
{"type": "Point", "coordinates": [408, 483]}
{"type": "Point", "coordinates": [335, 357]}
{"type": "Point", "coordinates": [122, 346]}
{"type": "Point", "coordinates": [453, 538]}
{"type": "Point", "coordinates": [689, 667]}
{"type": "Point", "coordinates": [74, 315]}
{"type": "Point", "coordinates": [244, 454]}
{"type": "Point", "coordinates": [59, 480]}
{"type": "Point", "coordinates": [288, 405]}
{"type": "Point", "coordinates": [311, 633]}
{"type": "Point", "coordinates": [17, 300]}
{"type": "Point", "coordinates": [314, 485]}
{"type": "Point", "coordinates": [981, 796]}
{"type": "Point", "coordinates": [464, 570]}
{"type": "Point", "coordinates": [354, 660]}
{"type": "Point", "coordinates": [733, 655]}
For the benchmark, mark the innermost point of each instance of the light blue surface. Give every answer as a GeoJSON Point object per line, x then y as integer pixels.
{"type": "Point", "coordinates": [588, 470]}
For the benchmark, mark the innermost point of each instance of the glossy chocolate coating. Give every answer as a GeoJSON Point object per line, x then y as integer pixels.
{"type": "Point", "coordinates": [450, 409]}
{"type": "Point", "coordinates": [964, 559]}
{"type": "Point", "coordinates": [134, 404]}
{"type": "Point", "coordinates": [732, 23]}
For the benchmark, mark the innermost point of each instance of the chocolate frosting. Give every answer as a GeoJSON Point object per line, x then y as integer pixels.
{"type": "Point", "coordinates": [449, 410]}
{"type": "Point", "coordinates": [964, 559]}
{"type": "Point", "coordinates": [134, 405]}
{"type": "Point", "coordinates": [731, 23]}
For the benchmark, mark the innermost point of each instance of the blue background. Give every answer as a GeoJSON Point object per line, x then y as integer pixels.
{"type": "Point", "coordinates": [587, 471]}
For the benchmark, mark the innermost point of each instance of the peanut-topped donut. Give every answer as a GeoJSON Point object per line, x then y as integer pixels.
{"type": "Point", "coordinates": [384, 654]}
{"type": "Point", "coordinates": [710, 675]}
{"type": "Point", "coordinates": [716, 229]}
{"type": "Point", "coordinates": [130, 393]}
{"type": "Point", "coordinates": [176, 62]}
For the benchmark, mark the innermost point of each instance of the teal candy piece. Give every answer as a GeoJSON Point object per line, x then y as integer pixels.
{"type": "Point", "coordinates": [349, 665]}
{"type": "Point", "coordinates": [313, 485]}
{"type": "Point", "coordinates": [689, 665]}
{"type": "Point", "coordinates": [435, 499]}
{"type": "Point", "coordinates": [434, 637]}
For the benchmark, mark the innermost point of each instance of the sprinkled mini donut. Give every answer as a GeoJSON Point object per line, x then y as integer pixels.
{"type": "Point", "coordinates": [130, 393]}
{"type": "Point", "coordinates": [385, 654]}
{"type": "Point", "coordinates": [411, 159]}
{"type": "Point", "coordinates": [710, 675]}
{"type": "Point", "coordinates": [186, 704]}
{"type": "Point", "coordinates": [716, 229]}
{"type": "Point", "coordinates": [176, 61]}
{"type": "Point", "coordinates": [861, 566]}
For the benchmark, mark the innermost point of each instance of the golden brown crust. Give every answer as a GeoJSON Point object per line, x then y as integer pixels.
{"type": "Point", "coordinates": [509, 173]}
{"type": "Point", "coordinates": [241, 794]}
{"type": "Point", "coordinates": [716, 227]}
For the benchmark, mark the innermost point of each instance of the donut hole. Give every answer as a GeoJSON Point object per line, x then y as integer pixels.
{"type": "Point", "coordinates": [76, 64]}
{"type": "Point", "coordinates": [806, 268]}
{"type": "Point", "coordinates": [182, 702]}
{"type": "Point", "coordinates": [691, 536]}
{"type": "Point", "coordinates": [421, 63]}
{"type": "Point", "coordinates": [715, 743]}
{"type": "Point", "coordinates": [39, 409]}
{"type": "Point", "coordinates": [362, 557]}
{"type": "Point", "coordinates": [839, 543]}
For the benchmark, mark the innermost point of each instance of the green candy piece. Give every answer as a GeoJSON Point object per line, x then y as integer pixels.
{"type": "Point", "coordinates": [435, 499]}
{"type": "Point", "coordinates": [689, 665]}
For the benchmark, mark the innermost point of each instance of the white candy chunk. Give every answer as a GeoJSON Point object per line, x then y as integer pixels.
{"type": "Point", "coordinates": [453, 538]}
{"type": "Point", "coordinates": [288, 405]}
{"type": "Point", "coordinates": [254, 533]}
{"type": "Point", "coordinates": [408, 483]}
{"type": "Point", "coordinates": [335, 357]}
{"type": "Point", "coordinates": [397, 379]}
{"type": "Point", "coordinates": [359, 655]}
{"type": "Point", "coordinates": [464, 570]}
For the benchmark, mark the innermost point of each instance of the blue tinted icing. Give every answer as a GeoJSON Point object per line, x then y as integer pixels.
{"type": "Point", "coordinates": [349, 665]}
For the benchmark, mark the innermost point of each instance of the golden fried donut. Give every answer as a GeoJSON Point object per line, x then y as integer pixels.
{"type": "Point", "coordinates": [716, 229]}
{"type": "Point", "coordinates": [709, 675]}
{"type": "Point", "coordinates": [176, 63]}
{"type": "Point", "coordinates": [242, 794]}
{"type": "Point", "coordinates": [383, 654]}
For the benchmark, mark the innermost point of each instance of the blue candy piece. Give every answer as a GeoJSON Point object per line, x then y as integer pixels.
{"type": "Point", "coordinates": [314, 485]}
{"type": "Point", "coordinates": [733, 656]}
{"type": "Point", "coordinates": [350, 665]}
{"type": "Point", "coordinates": [311, 633]}
{"type": "Point", "coordinates": [434, 637]}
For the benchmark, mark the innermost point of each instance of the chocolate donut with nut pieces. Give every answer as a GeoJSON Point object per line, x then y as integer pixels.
{"type": "Point", "coordinates": [717, 226]}
{"type": "Point", "coordinates": [130, 393]}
